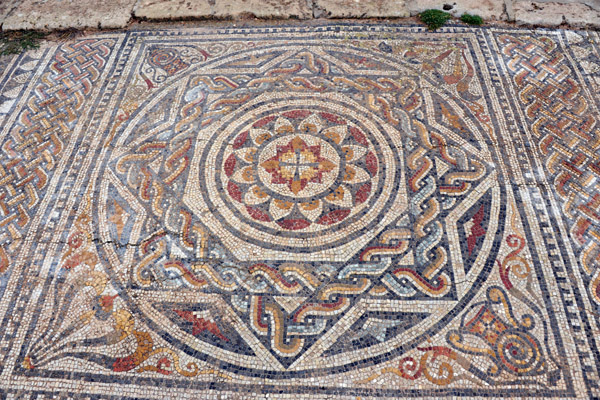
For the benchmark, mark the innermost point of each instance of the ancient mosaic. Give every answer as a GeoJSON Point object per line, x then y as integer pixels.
{"type": "Point", "coordinates": [340, 211]}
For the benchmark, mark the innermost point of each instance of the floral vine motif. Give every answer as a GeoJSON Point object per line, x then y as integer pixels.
{"type": "Point", "coordinates": [491, 329]}
{"type": "Point", "coordinates": [449, 66]}
{"type": "Point", "coordinates": [435, 365]}
{"type": "Point", "coordinates": [511, 344]}
{"type": "Point", "coordinates": [166, 62]}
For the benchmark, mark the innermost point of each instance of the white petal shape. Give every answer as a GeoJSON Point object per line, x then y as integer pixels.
{"type": "Point", "coordinates": [255, 195]}
{"type": "Point", "coordinates": [6, 106]}
{"type": "Point", "coordinates": [243, 175]}
{"type": "Point", "coordinates": [353, 152]}
{"type": "Point", "coordinates": [312, 124]}
{"type": "Point", "coordinates": [283, 125]}
{"type": "Point", "coordinates": [280, 208]}
{"type": "Point", "coordinates": [22, 78]}
{"type": "Point", "coordinates": [259, 135]}
{"type": "Point", "coordinates": [589, 67]}
{"type": "Point", "coordinates": [580, 52]}
{"type": "Point", "coordinates": [311, 210]}
{"type": "Point", "coordinates": [354, 174]}
{"type": "Point", "coordinates": [336, 133]}
{"type": "Point", "coordinates": [340, 197]}
{"type": "Point", "coordinates": [246, 155]}
{"type": "Point", "coordinates": [12, 93]}
{"type": "Point", "coordinates": [28, 66]}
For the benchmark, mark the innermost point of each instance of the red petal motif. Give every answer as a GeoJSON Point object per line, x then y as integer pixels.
{"type": "Point", "coordinates": [240, 140]}
{"type": "Point", "coordinates": [358, 136]}
{"type": "Point", "coordinates": [234, 191]}
{"type": "Point", "coordinates": [333, 217]}
{"type": "Point", "coordinates": [371, 162]}
{"type": "Point", "coordinates": [297, 114]}
{"type": "Point", "coordinates": [293, 224]}
{"type": "Point", "coordinates": [258, 214]}
{"type": "Point", "coordinates": [229, 166]}
{"type": "Point", "coordinates": [363, 193]}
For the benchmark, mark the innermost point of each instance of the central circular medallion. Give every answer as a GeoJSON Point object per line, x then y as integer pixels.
{"type": "Point", "coordinates": [299, 175]}
{"type": "Point", "coordinates": [300, 170]}
{"type": "Point", "coordinates": [298, 166]}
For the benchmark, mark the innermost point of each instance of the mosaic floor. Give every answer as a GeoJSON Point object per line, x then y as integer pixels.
{"type": "Point", "coordinates": [338, 211]}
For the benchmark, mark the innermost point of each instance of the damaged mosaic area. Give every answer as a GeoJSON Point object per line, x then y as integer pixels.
{"type": "Point", "coordinates": [338, 211]}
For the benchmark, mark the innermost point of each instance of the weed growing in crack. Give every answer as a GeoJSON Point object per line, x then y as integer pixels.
{"type": "Point", "coordinates": [18, 42]}
{"type": "Point", "coordinates": [434, 18]}
{"type": "Point", "coordinates": [471, 19]}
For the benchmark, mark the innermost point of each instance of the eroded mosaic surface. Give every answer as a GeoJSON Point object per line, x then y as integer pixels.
{"type": "Point", "coordinates": [337, 211]}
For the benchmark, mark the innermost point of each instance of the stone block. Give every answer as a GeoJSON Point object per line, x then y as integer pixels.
{"type": "Point", "coordinates": [221, 9]}
{"type": "Point", "coordinates": [79, 14]}
{"type": "Point", "coordinates": [595, 4]}
{"type": "Point", "coordinates": [553, 14]}
{"type": "Point", "coordinates": [486, 9]}
{"type": "Point", "coordinates": [361, 8]}
{"type": "Point", "coordinates": [6, 6]}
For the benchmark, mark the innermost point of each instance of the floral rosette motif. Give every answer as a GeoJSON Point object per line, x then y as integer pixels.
{"type": "Point", "coordinates": [300, 170]}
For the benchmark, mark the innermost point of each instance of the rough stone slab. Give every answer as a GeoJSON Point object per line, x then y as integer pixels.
{"type": "Point", "coordinates": [177, 9]}
{"type": "Point", "coordinates": [582, 16]}
{"type": "Point", "coordinates": [509, 10]}
{"type": "Point", "coordinates": [535, 13]}
{"type": "Point", "coordinates": [361, 8]}
{"type": "Point", "coordinates": [6, 6]}
{"type": "Point", "coordinates": [595, 4]}
{"type": "Point", "coordinates": [486, 9]}
{"type": "Point", "coordinates": [554, 14]}
{"type": "Point", "coordinates": [63, 14]}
